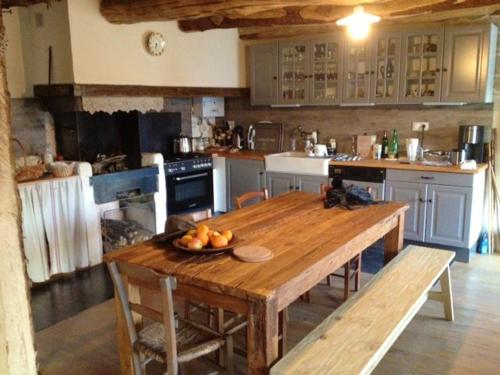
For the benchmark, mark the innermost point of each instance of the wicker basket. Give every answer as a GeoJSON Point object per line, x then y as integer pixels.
{"type": "Point", "coordinates": [62, 169]}
{"type": "Point", "coordinates": [28, 172]}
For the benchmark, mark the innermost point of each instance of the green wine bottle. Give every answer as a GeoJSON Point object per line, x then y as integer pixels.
{"type": "Point", "coordinates": [393, 145]}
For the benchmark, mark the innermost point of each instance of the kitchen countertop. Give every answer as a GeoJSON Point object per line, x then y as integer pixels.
{"type": "Point", "coordinates": [370, 163]}
{"type": "Point", "coordinates": [244, 154]}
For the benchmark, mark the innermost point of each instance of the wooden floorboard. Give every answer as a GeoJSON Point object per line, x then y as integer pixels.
{"type": "Point", "coordinates": [85, 343]}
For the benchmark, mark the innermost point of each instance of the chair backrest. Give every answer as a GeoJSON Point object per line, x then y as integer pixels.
{"type": "Point", "coordinates": [141, 277]}
{"type": "Point", "coordinates": [263, 195]}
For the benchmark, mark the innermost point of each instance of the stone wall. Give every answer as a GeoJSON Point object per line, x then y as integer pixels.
{"type": "Point", "coordinates": [344, 122]}
{"type": "Point", "coordinates": [29, 125]}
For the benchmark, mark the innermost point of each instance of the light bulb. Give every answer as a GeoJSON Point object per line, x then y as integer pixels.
{"type": "Point", "coordinates": [359, 31]}
{"type": "Point", "coordinates": [358, 23]}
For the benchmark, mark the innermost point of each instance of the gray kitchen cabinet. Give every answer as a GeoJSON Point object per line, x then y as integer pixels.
{"type": "Point", "coordinates": [243, 176]}
{"type": "Point", "coordinates": [356, 76]}
{"type": "Point", "coordinates": [469, 57]}
{"type": "Point", "coordinates": [447, 215]}
{"type": "Point", "coordinates": [422, 56]}
{"type": "Point", "coordinates": [310, 184]}
{"type": "Point", "coordinates": [293, 79]}
{"type": "Point", "coordinates": [445, 208]}
{"type": "Point", "coordinates": [326, 70]}
{"type": "Point", "coordinates": [264, 74]}
{"type": "Point", "coordinates": [386, 59]}
{"type": "Point", "coordinates": [280, 183]}
{"type": "Point", "coordinates": [415, 195]}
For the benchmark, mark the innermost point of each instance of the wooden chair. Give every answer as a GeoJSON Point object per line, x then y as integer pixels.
{"type": "Point", "coordinates": [350, 272]}
{"type": "Point", "coordinates": [262, 195]}
{"type": "Point", "coordinates": [162, 340]}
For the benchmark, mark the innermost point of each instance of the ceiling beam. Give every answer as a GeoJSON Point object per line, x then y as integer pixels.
{"type": "Point", "coordinates": [133, 11]}
{"type": "Point", "coordinates": [391, 11]}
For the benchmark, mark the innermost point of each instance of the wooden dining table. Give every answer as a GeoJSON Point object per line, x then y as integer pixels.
{"type": "Point", "coordinates": [308, 242]}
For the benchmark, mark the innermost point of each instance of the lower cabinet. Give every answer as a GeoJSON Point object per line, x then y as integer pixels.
{"type": "Point", "coordinates": [243, 176]}
{"type": "Point", "coordinates": [280, 183]}
{"type": "Point", "coordinates": [415, 195]}
{"type": "Point", "coordinates": [447, 215]}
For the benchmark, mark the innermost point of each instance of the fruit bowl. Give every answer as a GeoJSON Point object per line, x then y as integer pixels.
{"type": "Point", "coordinates": [202, 240]}
{"type": "Point", "coordinates": [206, 250]}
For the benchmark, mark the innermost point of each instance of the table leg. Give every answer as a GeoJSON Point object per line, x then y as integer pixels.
{"type": "Point", "coordinates": [262, 336]}
{"type": "Point", "coordinates": [393, 241]}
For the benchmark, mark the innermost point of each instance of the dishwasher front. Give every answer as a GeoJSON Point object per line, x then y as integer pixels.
{"type": "Point", "coordinates": [365, 177]}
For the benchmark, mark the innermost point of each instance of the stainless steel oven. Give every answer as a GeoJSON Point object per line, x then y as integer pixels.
{"type": "Point", "coordinates": [189, 185]}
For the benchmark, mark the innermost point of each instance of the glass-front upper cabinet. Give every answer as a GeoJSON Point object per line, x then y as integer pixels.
{"type": "Point", "coordinates": [294, 73]}
{"type": "Point", "coordinates": [325, 71]}
{"type": "Point", "coordinates": [356, 74]}
{"type": "Point", "coordinates": [421, 71]}
{"type": "Point", "coordinates": [386, 59]}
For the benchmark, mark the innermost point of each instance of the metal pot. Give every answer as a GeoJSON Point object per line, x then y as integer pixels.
{"type": "Point", "coordinates": [182, 145]}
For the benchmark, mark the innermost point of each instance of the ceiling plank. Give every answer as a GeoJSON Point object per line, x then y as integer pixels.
{"type": "Point", "coordinates": [392, 10]}
{"type": "Point", "coordinates": [452, 17]}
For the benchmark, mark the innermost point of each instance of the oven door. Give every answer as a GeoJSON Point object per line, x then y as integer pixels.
{"type": "Point", "coordinates": [190, 192]}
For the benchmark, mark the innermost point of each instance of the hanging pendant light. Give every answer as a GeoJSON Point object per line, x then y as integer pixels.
{"type": "Point", "coordinates": [358, 24]}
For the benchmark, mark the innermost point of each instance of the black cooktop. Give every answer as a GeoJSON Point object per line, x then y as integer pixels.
{"type": "Point", "coordinates": [182, 157]}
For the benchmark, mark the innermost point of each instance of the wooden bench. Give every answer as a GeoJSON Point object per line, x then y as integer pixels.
{"type": "Point", "coordinates": [357, 335]}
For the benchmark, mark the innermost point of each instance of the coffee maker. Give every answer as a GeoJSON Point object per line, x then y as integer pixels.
{"type": "Point", "coordinates": [473, 139]}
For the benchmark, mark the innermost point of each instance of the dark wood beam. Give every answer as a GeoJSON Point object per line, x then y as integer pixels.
{"type": "Point", "coordinates": [80, 90]}
{"type": "Point", "coordinates": [23, 3]}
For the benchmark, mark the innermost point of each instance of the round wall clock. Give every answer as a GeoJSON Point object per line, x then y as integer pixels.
{"type": "Point", "coordinates": [155, 44]}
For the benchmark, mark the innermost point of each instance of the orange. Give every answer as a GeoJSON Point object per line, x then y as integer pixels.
{"type": "Point", "coordinates": [195, 244]}
{"type": "Point", "coordinates": [202, 228]}
{"type": "Point", "coordinates": [203, 237]}
{"type": "Point", "coordinates": [228, 234]}
{"type": "Point", "coordinates": [185, 239]}
{"type": "Point", "coordinates": [218, 241]}
{"type": "Point", "coordinates": [192, 233]}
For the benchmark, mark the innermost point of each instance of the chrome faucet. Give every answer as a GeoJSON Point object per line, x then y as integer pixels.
{"type": "Point", "coordinates": [299, 130]}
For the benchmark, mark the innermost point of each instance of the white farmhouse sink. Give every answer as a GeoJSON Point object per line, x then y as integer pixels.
{"type": "Point", "coordinates": [297, 163]}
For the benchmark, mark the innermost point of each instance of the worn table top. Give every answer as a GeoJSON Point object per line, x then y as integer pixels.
{"type": "Point", "coordinates": [370, 163]}
{"type": "Point", "coordinates": [295, 226]}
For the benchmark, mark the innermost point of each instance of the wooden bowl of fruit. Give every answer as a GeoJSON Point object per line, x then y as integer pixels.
{"type": "Point", "coordinates": [203, 240]}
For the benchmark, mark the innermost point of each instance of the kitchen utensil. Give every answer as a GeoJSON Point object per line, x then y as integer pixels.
{"type": "Point", "coordinates": [457, 157]}
{"type": "Point", "coordinates": [320, 150]}
{"type": "Point", "coordinates": [207, 250]}
{"type": "Point", "coordinates": [182, 145]}
{"type": "Point", "coordinates": [253, 254]}
{"type": "Point", "coordinates": [411, 149]}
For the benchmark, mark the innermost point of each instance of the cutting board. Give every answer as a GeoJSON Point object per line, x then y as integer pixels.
{"type": "Point", "coordinates": [364, 145]}
{"type": "Point", "coordinates": [253, 254]}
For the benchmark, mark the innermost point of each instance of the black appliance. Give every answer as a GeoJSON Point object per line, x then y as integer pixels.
{"type": "Point", "coordinates": [189, 182]}
{"type": "Point", "coordinates": [473, 139]}
{"type": "Point", "coordinates": [372, 178]}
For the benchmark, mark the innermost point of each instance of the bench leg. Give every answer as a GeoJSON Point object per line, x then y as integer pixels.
{"type": "Point", "coordinates": [445, 282]}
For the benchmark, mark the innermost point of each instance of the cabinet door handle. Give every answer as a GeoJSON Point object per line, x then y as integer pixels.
{"type": "Point", "coordinates": [430, 200]}
{"type": "Point", "coordinates": [261, 173]}
{"type": "Point", "coordinates": [444, 70]}
{"type": "Point", "coordinates": [275, 78]}
{"type": "Point", "coordinates": [427, 178]}
{"type": "Point", "coordinates": [297, 188]}
{"type": "Point", "coordinates": [421, 200]}
{"type": "Point", "coordinates": [290, 187]}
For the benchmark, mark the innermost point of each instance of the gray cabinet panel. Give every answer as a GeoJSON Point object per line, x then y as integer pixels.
{"type": "Point", "coordinates": [243, 176]}
{"type": "Point", "coordinates": [422, 58]}
{"type": "Point", "coordinates": [415, 195]}
{"type": "Point", "coordinates": [279, 183]}
{"type": "Point", "coordinates": [310, 184]}
{"type": "Point", "coordinates": [264, 74]}
{"type": "Point", "coordinates": [448, 214]}
{"type": "Point", "coordinates": [465, 65]}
